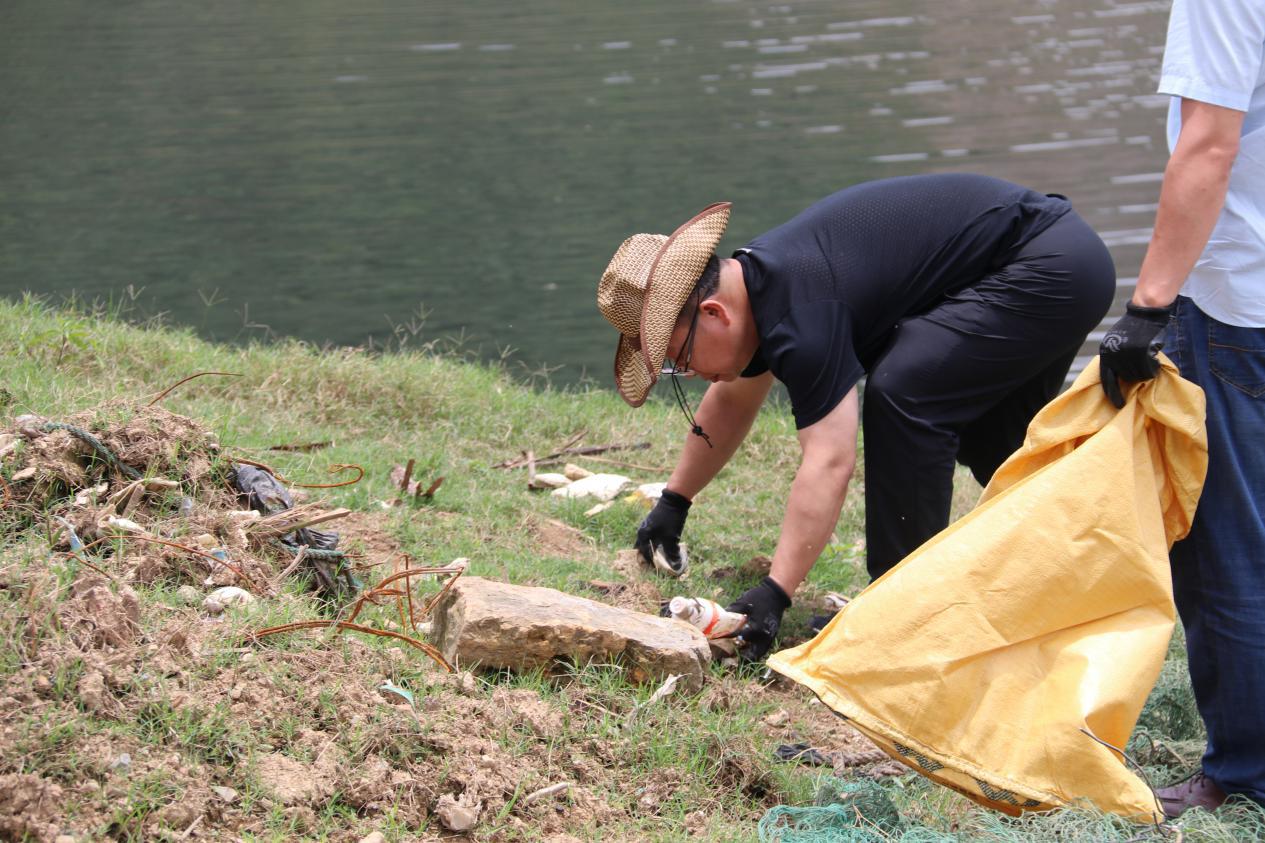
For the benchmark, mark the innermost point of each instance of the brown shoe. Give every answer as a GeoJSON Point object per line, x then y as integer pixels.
{"type": "Point", "coordinates": [1198, 791]}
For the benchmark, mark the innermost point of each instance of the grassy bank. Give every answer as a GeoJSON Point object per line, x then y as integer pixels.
{"type": "Point", "coordinates": [140, 739]}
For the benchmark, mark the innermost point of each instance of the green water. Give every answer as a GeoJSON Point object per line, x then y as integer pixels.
{"type": "Point", "coordinates": [329, 170]}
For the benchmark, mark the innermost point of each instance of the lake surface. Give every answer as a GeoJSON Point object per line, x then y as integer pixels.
{"type": "Point", "coordinates": [328, 170]}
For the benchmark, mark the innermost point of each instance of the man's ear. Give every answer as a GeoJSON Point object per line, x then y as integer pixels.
{"type": "Point", "coordinates": [716, 309]}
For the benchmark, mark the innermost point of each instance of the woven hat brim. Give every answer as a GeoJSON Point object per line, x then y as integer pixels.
{"type": "Point", "coordinates": [675, 271]}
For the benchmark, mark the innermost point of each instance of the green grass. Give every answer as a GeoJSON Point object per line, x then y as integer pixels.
{"type": "Point", "coordinates": [456, 419]}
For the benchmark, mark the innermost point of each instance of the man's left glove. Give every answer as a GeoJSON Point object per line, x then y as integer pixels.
{"type": "Point", "coordinates": [1128, 351]}
{"type": "Point", "coordinates": [763, 606]}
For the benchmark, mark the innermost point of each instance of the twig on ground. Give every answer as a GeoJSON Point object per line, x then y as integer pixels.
{"type": "Point", "coordinates": [305, 447]}
{"type": "Point", "coordinates": [567, 447]}
{"type": "Point", "coordinates": [289, 569]}
{"type": "Point", "coordinates": [191, 827]}
{"type": "Point", "coordinates": [295, 518]}
{"type": "Point", "coordinates": [621, 463]}
{"type": "Point", "coordinates": [560, 787]}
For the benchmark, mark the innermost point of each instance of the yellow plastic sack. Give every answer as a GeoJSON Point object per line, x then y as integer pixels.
{"type": "Point", "coordinates": [988, 658]}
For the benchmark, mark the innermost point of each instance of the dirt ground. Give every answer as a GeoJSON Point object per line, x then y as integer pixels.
{"type": "Point", "coordinates": [136, 713]}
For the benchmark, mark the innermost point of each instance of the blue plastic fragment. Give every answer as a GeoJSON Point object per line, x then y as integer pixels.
{"type": "Point", "coordinates": [75, 544]}
{"type": "Point", "coordinates": [392, 688]}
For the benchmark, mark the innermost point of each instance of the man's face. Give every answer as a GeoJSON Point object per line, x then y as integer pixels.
{"type": "Point", "coordinates": [710, 352]}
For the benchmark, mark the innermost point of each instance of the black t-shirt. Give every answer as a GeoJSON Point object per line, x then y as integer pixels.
{"type": "Point", "coordinates": [827, 287]}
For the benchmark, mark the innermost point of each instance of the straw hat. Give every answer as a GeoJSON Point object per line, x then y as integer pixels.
{"type": "Point", "coordinates": [643, 290]}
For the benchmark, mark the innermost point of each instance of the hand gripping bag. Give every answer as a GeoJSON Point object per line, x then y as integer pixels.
{"type": "Point", "coordinates": [989, 656]}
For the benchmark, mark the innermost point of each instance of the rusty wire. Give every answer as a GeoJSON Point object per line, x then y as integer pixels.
{"type": "Point", "coordinates": [379, 592]}
{"type": "Point", "coordinates": [355, 627]}
{"type": "Point", "coordinates": [169, 389]}
{"type": "Point", "coordinates": [333, 469]}
{"type": "Point", "coordinates": [8, 495]}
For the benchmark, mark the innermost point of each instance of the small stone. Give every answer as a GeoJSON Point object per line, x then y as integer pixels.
{"type": "Point", "coordinates": [464, 683]}
{"type": "Point", "coordinates": [778, 718]}
{"type": "Point", "coordinates": [548, 480]}
{"type": "Point", "coordinates": [122, 763]}
{"type": "Point", "coordinates": [457, 814]}
{"type": "Point", "coordinates": [373, 837]}
{"type": "Point", "coordinates": [63, 838]}
{"type": "Point", "coordinates": [231, 595]}
{"type": "Point", "coordinates": [42, 686]}
{"type": "Point", "coordinates": [212, 606]}
{"type": "Point", "coordinates": [301, 817]}
{"type": "Point", "coordinates": [188, 595]}
{"type": "Point", "coordinates": [226, 794]}
{"type": "Point", "coordinates": [290, 781]}
{"type": "Point", "coordinates": [575, 472]}
{"type": "Point", "coordinates": [236, 693]}
{"type": "Point", "coordinates": [92, 691]}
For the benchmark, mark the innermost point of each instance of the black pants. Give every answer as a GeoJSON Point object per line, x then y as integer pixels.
{"type": "Point", "coordinates": [961, 381]}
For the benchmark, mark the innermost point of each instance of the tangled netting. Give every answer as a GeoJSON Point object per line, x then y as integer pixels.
{"type": "Point", "coordinates": [862, 811]}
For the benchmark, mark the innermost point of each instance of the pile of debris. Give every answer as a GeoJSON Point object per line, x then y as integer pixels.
{"type": "Point", "coordinates": [156, 490]}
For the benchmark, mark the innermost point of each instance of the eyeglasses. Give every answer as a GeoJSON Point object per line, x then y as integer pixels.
{"type": "Point", "coordinates": [680, 368]}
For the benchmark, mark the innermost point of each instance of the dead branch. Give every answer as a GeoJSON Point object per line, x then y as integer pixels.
{"type": "Point", "coordinates": [621, 463]}
{"type": "Point", "coordinates": [431, 489]}
{"type": "Point", "coordinates": [520, 461]}
{"type": "Point", "coordinates": [289, 569]}
{"type": "Point", "coordinates": [295, 518]}
{"type": "Point", "coordinates": [305, 447]}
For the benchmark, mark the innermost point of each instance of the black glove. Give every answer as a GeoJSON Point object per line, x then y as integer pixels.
{"type": "Point", "coordinates": [662, 529]}
{"type": "Point", "coordinates": [1129, 349]}
{"type": "Point", "coordinates": [763, 606]}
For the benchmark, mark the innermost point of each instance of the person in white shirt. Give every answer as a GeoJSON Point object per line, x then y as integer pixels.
{"type": "Point", "coordinates": [1203, 283]}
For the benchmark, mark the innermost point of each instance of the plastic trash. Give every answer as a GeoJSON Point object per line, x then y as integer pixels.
{"type": "Point", "coordinates": [230, 595]}
{"type": "Point", "coordinates": [604, 487]}
{"type": "Point", "coordinates": [265, 494]}
{"type": "Point", "coordinates": [707, 616]}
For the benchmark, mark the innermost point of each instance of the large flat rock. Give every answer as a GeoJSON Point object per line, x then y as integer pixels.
{"type": "Point", "coordinates": [498, 625]}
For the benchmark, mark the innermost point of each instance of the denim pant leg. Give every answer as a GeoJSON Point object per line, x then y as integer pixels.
{"type": "Point", "coordinates": [1219, 569]}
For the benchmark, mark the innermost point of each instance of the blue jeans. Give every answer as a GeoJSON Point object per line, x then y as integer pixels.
{"type": "Point", "coordinates": [1219, 569]}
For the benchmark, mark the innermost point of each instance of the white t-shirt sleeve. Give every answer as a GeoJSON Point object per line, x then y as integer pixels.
{"type": "Point", "coordinates": [1214, 51]}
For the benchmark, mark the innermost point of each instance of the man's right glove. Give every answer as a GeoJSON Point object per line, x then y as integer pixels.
{"type": "Point", "coordinates": [661, 530]}
{"type": "Point", "coordinates": [763, 606]}
{"type": "Point", "coordinates": [1128, 351]}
